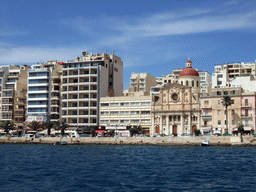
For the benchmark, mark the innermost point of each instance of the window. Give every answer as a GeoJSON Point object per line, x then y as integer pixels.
{"type": "Point", "coordinates": [135, 103]}
{"type": "Point", "coordinates": [74, 105]}
{"type": "Point", "coordinates": [219, 82]}
{"type": "Point", "coordinates": [114, 112]}
{"type": "Point", "coordinates": [114, 104]}
{"type": "Point", "coordinates": [104, 112]}
{"type": "Point", "coordinates": [246, 123]}
{"type": "Point", "coordinates": [124, 112]}
{"type": "Point", "coordinates": [74, 96]}
{"type": "Point", "coordinates": [233, 111]}
{"type": "Point", "coordinates": [225, 92]}
{"type": "Point", "coordinates": [219, 112]}
{"type": "Point", "coordinates": [218, 92]}
{"type": "Point", "coordinates": [135, 121]}
{"type": "Point", "coordinates": [219, 122]}
{"type": "Point", "coordinates": [206, 102]}
{"type": "Point", "coordinates": [104, 104]}
{"type": "Point", "coordinates": [186, 83]}
{"type": "Point", "coordinates": [145, 112]}
{"type": "Point", "coordinates": [246, 102]}
{"type": "Point", "coordinates": [192, 83]}
{"type": "Point", "coordinates": [145, 103]}
{"type": "Point", "coordinates": [124, 104]}
{"type": "Point", "coordinates": [74, 121]}
{"type": "Point", "coordinates": [197, 83]}
{"type": "Point", "coordinates": [181, 82]}
{"type": "Point", "coordinates": [206, 112]}
{"type": "Point", "coordinates": [246, 112]}
{"type": "Point", "coordinates": [104, 121]}
{"type": "Point", "coordinates": [233, 122]}
{"type": "Point", "coordinates": [74, 113]}
{"type": "Point", "coordinates": [232, 92]}
{"type": "Point", "coordinates": [135, 112]}
{"type": "Point", "coordinates": [165, 81]}
{"type": "Point", "coordinates": [220, 76]}
{"type": "Point", "coordinates": [219, 102]}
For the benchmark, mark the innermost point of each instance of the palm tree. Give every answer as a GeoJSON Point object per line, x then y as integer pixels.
{"type": "Point", "coordinates": [34, 125]}
{"type": "Point", "coordinates": [61, 125]}
{"type": "Point", "coordinates": [7, 126]}
{"type": "Point", "coordinates": [226, 101]}
{"type": "Point", "coordinates": [241, 131]}
{"type": "Point", "coordinates": [48, 125]}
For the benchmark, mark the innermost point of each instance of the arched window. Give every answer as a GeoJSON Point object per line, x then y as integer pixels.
{"type": "Point", "coordinates": [197, 84]}
{"type": "Point", "coordinates": [193, 83]}
{"type": "Point", "coordinates": [181, 82]}
{"type": "Point", "coordinates": [186, 83]}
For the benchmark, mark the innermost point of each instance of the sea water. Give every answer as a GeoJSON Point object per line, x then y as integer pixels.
{"type": "Point", "coordinates": [126, 168]}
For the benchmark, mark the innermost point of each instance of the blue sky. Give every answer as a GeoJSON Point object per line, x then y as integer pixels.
{"type": "Point", "coordinates": [150, 36]}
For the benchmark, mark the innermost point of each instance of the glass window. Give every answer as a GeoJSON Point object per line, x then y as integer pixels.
{"type": "Point", "coordinates": [114, 104]}
{"type": "Point", "coordinates": [114, 112]}
{"type": "Point", "coordinates": [135, 112]}
{"type": "Point", "coordinates": [219, 122]}
{"type": "Point", "coordinates": [135, 103]}
{"type": "Point", "coordinates": [219, 102]}
{"type": "Point", "coordinates": [219, 112]}
{"type": "Point", "coordinates": [124, 104]}
{"type": "Point", "coordinates": [104, 104]}
{"type": "Point", "coordinates": [233, 122]}
{"type": "Point", "coordinates": [145, 103]}
{"type": "Point", "coordinates": [124, 112]}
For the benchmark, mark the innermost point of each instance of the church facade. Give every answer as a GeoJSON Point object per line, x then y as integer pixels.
{"type": "Point", "coordinates": [177, 110]}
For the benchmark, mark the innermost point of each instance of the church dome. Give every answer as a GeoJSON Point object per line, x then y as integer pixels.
{"type": "Point", "coordinates": [189, 71]}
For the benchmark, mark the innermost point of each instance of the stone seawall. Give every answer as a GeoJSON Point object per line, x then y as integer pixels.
{"type": "Point", "coordinates": [216, 140]}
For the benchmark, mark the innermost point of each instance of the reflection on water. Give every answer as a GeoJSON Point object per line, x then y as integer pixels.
{"type": "Point", "coordinates": [126, 168]}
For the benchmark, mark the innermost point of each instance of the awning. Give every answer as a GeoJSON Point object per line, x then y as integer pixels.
{"type": "Point", "coordinates": [100, 131]}
{"type": "Point", "coordinates": [206, 129]}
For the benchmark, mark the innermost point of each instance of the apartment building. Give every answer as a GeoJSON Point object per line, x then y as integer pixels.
{"type": "Point", "coordinates": [84, 81]}
{"type": "Point", "coordinates": [242, 111]}
{"type": "Point", "coordinates": [43, 96]}
{"type": "Point", "coordinates": [226, 72]}
{"type": "Point", "coordinates": [126, 111]}
{"type": "Point", "coordinates": [14, 87]}
{"type": "Point", "coordinates": [142, 83]}
{"type": "Point", "coordinates": [205, 82]}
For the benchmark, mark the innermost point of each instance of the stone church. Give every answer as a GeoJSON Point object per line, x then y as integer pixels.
{"type": "Point", "coordinates": [177, 110]}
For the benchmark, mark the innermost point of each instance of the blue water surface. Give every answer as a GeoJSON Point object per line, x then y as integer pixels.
{"type": "Point", "coordinates": [126, 168]}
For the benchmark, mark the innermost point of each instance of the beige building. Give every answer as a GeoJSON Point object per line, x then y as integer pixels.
{"type": "Point", "coordinates": [126, 111]}
{"type": "Point", "coordinates": [241, 112]}
{"type": "Point", "coordinates": [177, 111]}
{"type": "Point", "coordinates": [84, 81]}
{"type": "Point", "coordinates": [141, 83]}
{"type": "Point", "coordinates": [14, 94]}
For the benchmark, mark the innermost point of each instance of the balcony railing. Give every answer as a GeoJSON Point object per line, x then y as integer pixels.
{"type": "Point", "coordinates": [246, 105]}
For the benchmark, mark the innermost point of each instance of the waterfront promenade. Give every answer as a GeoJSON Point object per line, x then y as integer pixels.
{"type": "Point", "coordinates": [185, 140]}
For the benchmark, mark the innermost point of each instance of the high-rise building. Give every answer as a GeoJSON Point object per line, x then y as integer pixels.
{"type": "Point", "coordinates": [141, 83]}
{"type": "Point", "coordinates": [43, 91]}
{"type": "Point", "coordinates": [14, 88]}
{"type": "Point", "coordinates": [224, 74]}
{"type": "Point", "coordinates": [84, 81]}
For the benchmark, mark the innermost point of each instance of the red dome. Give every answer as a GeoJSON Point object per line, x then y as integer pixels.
{"type": "Point", "coordinates": [188, 61]}
{"type": "Point", "coordinates": [189, 72]}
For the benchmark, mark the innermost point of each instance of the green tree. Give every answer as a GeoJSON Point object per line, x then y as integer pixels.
{"type": "Point", "coordinates": [61, 125]}
{"type": "Point", "coordinates": [197, 132]}
{"type": "Point", "coordinates": [241, 131]}
{"type": "Point", "coordinates": [7, 126]}
{"type": "Point", "coordinates": [226, 101]}
{"type": "Point", "coordinates": [34, 125]}
{"type": "Point", "coordinates": [111, 132]}
{"type": "Point", "coordinates": [134, 131]}
{"type": "Point", "coordinates": [48, 125]}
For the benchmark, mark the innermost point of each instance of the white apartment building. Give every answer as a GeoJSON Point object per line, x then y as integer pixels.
{"type": "Point", "coordinates": [205, 82]}
{"type": "Point", "coordinates": [225, 73]}
{"type": "Point", "coordinates": [40, 92]}
{"type": "Point", "coordinates": [126, 111]}
{"type": "Point", "coordinates": [141, 82]}
{"type": "Point", "coordinates": [84, 81]}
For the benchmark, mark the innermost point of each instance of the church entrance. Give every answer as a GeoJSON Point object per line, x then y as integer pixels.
{"type": "Point", "coordinates": [157, 129]}
{"type": "Point", "coordinates": [174, 129]}
{"type": "Point", "coordinates": [193, 128]}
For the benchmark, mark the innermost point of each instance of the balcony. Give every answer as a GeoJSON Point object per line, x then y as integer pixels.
{"type": "Point", "coordinates": [206, 116]}
{"type": "Point", "coordinates": [209, 106]}
{"type": "Point", "coordinates": [246, 105]}
{"type": "Point", "coordinates": [249, 116]}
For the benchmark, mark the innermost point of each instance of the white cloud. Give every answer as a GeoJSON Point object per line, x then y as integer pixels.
{"type": "Point", "coordinates": [31, 55]}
